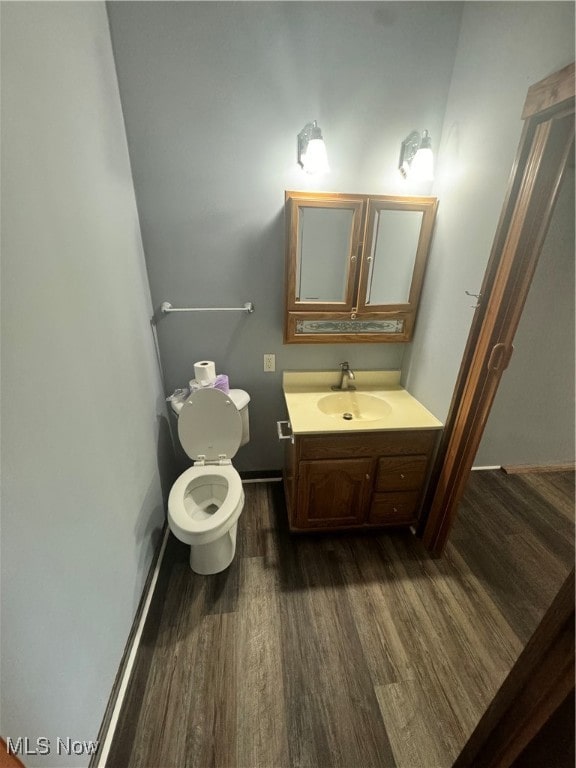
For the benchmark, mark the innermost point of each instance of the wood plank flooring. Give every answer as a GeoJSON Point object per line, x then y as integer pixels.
{"type": "Point", "coordinates": [351, 650]}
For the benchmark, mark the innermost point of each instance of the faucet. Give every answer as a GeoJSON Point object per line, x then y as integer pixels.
{"type": "Point", "coordinates": [346, 378]}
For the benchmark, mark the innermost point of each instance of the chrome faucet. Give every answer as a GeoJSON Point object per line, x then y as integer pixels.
{"type": "Point", "coordinates": [346, 377]}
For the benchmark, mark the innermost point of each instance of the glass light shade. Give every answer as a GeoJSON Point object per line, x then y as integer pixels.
{"type": "Point", "coordinates": [315, 159]}
{"type": "Point", "coordinates": [422, 167]}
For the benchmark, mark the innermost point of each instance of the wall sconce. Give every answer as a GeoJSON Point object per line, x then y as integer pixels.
{"type": "Point", "coordinates": [416, 158]}
{"type": "Point", "coordinates": [312, 150]}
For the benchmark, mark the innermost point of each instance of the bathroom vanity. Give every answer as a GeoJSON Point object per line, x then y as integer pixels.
{"type": "Point", "coordinates": [355, 459]}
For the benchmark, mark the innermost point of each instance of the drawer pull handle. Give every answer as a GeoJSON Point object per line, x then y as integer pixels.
{"type": "Point", "coordinates": [281, 435]}
{"type": "Point", "coordinates": [367, 477]}
{"type": "Point", "coordinates": [401, 475]}
{"type": "Point", "coordinates": [395, 510]}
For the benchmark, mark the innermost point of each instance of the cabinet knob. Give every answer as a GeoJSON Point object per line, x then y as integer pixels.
{"type": "Point", "coordinates": [395, 510]}
{"type": "Point", "coordinates": [367, 477]}
{"type": "Point", "coordinates": [353, 316]}
{"type": "Point", "coordinates": [401, 475]}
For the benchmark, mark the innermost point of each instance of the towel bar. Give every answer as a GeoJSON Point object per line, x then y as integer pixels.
{"type": "Point", "coordinates": [166, 307]}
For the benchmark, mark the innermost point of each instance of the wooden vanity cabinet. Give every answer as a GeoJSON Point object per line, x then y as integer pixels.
{"type": "Point", "coordinates": [357, 480]}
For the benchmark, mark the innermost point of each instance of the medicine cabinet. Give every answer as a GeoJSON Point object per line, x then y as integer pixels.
{"type": "Point", "coordinates": [354, 266]}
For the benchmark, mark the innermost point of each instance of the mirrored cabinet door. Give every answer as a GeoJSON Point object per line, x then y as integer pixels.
{"type": "Point", "coordinates": [324, 252]}
{"type": "Point", "coordinates": [398, 234]}
{"type": "Point", "coordinates": [391, 262]}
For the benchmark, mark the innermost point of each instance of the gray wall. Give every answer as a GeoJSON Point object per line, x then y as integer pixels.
{"type": "Point", "coordinates": [503, 48]}
{"type": "Point", "coordinates": [214, 95]}
{"type": "Point", "coordinates": [532, 419]}
{"type": "Point", "coordinates": [82, 405]}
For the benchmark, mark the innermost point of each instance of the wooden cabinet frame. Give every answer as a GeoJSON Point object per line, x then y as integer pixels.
{"type": "Point", "coordinates": [343, 316]}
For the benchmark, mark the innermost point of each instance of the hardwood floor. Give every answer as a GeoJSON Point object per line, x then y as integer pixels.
{"type": "Point", "coordinates": [344, 650]}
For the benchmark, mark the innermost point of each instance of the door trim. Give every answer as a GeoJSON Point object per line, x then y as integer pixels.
{"type": "Point", "coordinates": [545, 143]}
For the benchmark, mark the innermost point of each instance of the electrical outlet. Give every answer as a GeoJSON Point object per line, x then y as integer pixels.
{"type": "Point", "coordinates": [269, 362]}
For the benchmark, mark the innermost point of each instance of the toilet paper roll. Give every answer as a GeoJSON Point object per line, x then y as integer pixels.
{"type": "Point", "coordinates": [205, 371]}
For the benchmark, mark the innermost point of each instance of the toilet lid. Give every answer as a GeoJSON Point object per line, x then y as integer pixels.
{"type": "Point", "coordinates": [209, 425]}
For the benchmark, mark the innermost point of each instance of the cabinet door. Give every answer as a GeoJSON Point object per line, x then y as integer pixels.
{"type": "Point", "coordinates": [398, 236]}
{"type": "Point", "coordinates": [323, 252]}
{"type": "Point", "coordinates": [333, 493]}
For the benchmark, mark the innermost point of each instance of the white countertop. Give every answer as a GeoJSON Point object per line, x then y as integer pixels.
{"type": "Point", "coordinates": [304, 391]}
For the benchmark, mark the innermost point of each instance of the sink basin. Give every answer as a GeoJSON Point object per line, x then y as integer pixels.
{"type": "Point", "coordinates": [354, 406]}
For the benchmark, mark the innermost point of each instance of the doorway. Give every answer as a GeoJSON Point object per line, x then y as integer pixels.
{"type": "Point", "coordinates": [531, 423]}
{"type": "Point", "coordinates": [545, 147]}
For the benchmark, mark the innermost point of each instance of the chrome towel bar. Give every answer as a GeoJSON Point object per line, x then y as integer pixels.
{"type": "Point", "coordinates": [166, 307]}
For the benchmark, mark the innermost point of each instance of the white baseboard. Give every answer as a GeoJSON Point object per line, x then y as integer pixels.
{"type": "Point", "coordinates": [476, 469]}
{"type": "Point", "coordinates": [126, 672]}
{"type": "Point", "coordinates": [262, 480]}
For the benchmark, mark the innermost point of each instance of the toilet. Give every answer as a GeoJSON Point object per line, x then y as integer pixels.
{"type": "Point", "coordinates": [206, 500]}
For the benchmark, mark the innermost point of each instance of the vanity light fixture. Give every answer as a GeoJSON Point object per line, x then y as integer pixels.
{"type": "Point", "coordinates": [312, 150]}
{"type": "Point", "coordinates": [416, 158]}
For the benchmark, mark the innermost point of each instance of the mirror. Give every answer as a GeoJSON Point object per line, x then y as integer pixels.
{"type": "Point", "coordinates": [324, 238]}
{"type": "Point", "coordinates": [395, 238]}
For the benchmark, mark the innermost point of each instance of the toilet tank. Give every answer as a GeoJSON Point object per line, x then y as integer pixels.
{"type": "Point", "coordinates": [240, 398]}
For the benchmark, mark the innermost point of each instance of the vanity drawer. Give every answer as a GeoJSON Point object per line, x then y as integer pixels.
{"type": "Point", "coordinates": [356, 444]}
{"type": "Point", "coordinates": [401, 473]}
{"type": "Point", "coordinates": [394, 508]}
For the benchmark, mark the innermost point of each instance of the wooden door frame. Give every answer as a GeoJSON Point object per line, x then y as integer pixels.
{"type": "Point", "coordinates": [546, 139]}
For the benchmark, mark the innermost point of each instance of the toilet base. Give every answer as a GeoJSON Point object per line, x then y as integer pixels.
{"type": "Point", "coordinates": [216, 556]}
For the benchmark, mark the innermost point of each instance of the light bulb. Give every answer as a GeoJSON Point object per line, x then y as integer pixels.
{"type": "Point", "coordinates": [315, 159]}
{"type": "Point", "coordinates": [422, 168]}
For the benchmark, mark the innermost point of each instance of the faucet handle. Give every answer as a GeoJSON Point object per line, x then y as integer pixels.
{"type": "Point", "coordinates": [345, 366]}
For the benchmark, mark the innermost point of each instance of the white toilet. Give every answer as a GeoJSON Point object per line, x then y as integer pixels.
{"type": "Point", "coordinates": [206, 500]}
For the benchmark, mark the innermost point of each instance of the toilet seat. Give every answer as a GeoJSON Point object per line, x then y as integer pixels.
{"type": "Point", "coordinates": [210, 426]}
{"type": "Point", "coordinates": [188, 520]}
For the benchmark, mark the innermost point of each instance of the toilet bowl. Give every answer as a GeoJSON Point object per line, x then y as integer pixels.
{"type": "Point", "coordinates": [207, 499]}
